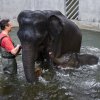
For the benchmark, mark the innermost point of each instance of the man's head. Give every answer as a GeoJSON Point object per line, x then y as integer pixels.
{"type": "Point", "coordinates": [5, 24]}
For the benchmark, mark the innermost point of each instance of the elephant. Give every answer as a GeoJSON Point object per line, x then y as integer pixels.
{"type": "Point", "coordinates": [41, 32]}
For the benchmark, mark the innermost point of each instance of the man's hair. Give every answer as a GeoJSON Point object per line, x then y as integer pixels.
{"type": "Point", "coordinates": [4, 23]}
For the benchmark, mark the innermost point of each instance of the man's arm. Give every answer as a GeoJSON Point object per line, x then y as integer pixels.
{"type": "Point", "coordinates": [16, 50]}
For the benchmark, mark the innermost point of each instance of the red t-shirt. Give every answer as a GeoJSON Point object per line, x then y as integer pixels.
{"type": "Point", "coordinates": [6, 43]}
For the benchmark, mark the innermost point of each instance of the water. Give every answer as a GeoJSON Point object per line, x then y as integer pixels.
{"type": "Point", "coordinates": [66, 84]}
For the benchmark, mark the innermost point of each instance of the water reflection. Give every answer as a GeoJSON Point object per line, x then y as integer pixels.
{"type": "Point", "coordinates": [82, 83]}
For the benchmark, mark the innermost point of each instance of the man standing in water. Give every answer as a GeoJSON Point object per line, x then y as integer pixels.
{"type": "Point", "coordinates": [8, 51]}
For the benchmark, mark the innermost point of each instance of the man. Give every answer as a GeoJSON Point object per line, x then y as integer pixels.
{"type": "Point", "coordinates": [8, 51]}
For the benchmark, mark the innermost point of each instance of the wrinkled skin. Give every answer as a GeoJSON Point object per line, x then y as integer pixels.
{"type": "Point", "coordinates": [41, 32]}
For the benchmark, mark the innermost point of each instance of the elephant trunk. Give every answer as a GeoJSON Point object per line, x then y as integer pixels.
{"type": "Point", "coordinates": [28, 58]}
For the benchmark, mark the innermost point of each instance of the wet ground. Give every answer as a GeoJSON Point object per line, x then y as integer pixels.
{"type": "Point", "coordinates": [65, 84]}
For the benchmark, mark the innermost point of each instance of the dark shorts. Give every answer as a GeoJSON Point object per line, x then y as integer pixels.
{"type": "Point", "coordinates": [9, 66]}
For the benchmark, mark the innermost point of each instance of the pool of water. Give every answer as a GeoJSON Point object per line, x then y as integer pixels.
{"type": "Point", "coordinates": [65, 84]}
{"type": "Point", "coordinates": [91, 38]}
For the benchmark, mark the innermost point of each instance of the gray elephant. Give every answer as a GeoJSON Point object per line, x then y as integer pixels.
{"type": "Point", "coordinates": [41, 32]}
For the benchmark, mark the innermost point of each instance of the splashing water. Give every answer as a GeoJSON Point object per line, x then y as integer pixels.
{"type": "Point", "coordinates": [82, 83]}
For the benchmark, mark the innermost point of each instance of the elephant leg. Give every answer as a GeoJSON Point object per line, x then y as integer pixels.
{"type": "Point", "coordinates": [53, 59]}
{"type": "Point", "coordinates": [71, 62]}
{"type": "Point", "coordinates": [87, 59]}
{"type": "Point", "coordinates": [77, 57]}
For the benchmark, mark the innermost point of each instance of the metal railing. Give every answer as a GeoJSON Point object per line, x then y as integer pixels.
{"type": "Point", "coordinates": [72, 9]}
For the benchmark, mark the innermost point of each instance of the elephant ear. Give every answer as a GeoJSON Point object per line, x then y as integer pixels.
{"type": "Point", "coordinates": [55, 25]}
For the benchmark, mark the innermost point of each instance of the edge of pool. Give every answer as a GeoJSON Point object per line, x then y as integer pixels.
{"type": "Point", "coordinates": [93, 26]}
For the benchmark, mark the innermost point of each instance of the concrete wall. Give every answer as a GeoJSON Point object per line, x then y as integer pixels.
{"type": "Point", "coordinates": [89, 10]}
{"type": "Point", "coordinates": [49, 4]}
{"type": "Point", "coordinates": [11, 8]}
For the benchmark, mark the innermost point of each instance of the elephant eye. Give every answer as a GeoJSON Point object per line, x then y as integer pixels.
{"type": "Point", "coordinates": [40, 26]}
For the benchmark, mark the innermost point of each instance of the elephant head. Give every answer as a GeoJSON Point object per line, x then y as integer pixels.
{"type": "Point", "coordinates": [44, 31]}
{"type": "Point", "coordinates": [33, 37]}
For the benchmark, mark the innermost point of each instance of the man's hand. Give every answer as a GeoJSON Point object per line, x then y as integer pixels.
{"type": "Point", "coordinates": [16, 50]}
